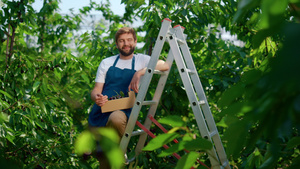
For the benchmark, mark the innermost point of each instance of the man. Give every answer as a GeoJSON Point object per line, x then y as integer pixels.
{"type": "Point", "coordinates": [118, 73]}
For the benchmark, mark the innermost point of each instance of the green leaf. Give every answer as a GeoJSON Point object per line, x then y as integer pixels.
{"type": "Point", "coordinates": [6, 94]}
{"type": "Point", "coordinates": [261, 35]}
{"type": "Point", "coordinates": [243, 7]}
{"type": "Point", "coordinates": [295, 163]}
{"type": "Point", "coordinates": [255, 159]}
{"type": "Point", "coordinates": [187, 161]}
{"type": "Point", "coordinates": [173, 120]}
{"type": "Point", "coordinates": [272, 13]}
{"type": "Point", "coordinates": [231, 95]}
{"type": "Point", "coordinates": [42, 106]}
{"type": "Point", "coordinates": [159, 141]}
{"type": "Point", "coordinates": [236, 138]}
{"type": "Point", "coordinates": [85, 143]}
{"type": "Point", "coordinates": [116, 157]}
{"type": "Point", "coordinates": [10, 137]}
{"type": "Point", "coordinates": [41, 124]}
{"type": "Point", "coordinates": [157, 18]}
{"type": "Point", "coordinates": [294, 142]}
{"type": "Point", "coordinates": [32, 21]}
{"type": "Point", "coordinates": [4, 104]}
{"type": "Point", "coordinates": [198, 144]}
{"type": "Point", "coordinates": [108, 140]}
{"type": "Point", "coordinates": [58, 151]}
{"type": "Point", "coordinates": [85, 78]}
{"type": "Point", "coordinates": [190, 145]}
{"type": "Point", "coordinates": [35, 85]}
{"type": "Point", "coordinates": [109, 133]}
{"type": "Point", "coordinates": [3, 117]}
{"type": "Point", "coordinates": [251, 76]}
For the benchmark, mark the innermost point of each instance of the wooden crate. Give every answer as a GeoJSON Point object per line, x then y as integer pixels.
{"type": "Point", "coordinates": [119, 104]}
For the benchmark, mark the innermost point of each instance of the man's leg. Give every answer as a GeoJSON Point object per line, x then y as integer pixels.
{"type": "Point", "coordinates": [101, 157]}
{"type": "Point", "coordinates": [118, 121]}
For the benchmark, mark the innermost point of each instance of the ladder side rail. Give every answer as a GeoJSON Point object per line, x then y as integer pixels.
{"type": "Point", "coordinates": [157, 95]}
{"type": "Point", "coordinates": [201, 94]}
{"type": "Point", "coordinates": [144, 87]}
{"type": "Point", "coordinates": [187, 82]}
{"type": "Point", "coordinates": [196, 80]}
{"type": "Point", "coordinates": [189, 61]}
{"type": "Point", "coordinates": [192, 97]}
{"type": "Point", "coordinates": [216, 138]}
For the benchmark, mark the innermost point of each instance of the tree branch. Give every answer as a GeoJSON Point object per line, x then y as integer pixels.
{"type": "Point", "coordinates": [12, 40]}
{"type": "Point", "coordinates": [10, 106]}
{"type": "Point", "coordinates": [7, 44]}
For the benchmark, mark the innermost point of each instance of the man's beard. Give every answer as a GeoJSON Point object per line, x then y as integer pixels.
{"type": "Point", "coordinates": [127, 53]}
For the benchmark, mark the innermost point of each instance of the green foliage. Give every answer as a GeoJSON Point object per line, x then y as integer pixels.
{"type": "Point", "coordinates": [187, 143]}
{"type": "Point", "coordinates": [159, 141]}
{"type": "Point", "coordinates": [264, 117]}
{"type": "Point", "coordinates": [85, 143]}
{"type": "Point", "coordinates": [44, 88]}
{"type": "Point", "coordinates": [106, 138]}
{"type": "Point", "coordinates": [253, 89]}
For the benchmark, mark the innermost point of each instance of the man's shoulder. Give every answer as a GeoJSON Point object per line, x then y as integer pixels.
{"type": "Point", "coordinates": [110, 58]}
{"type": "Point", "coordinates": [142, 55]}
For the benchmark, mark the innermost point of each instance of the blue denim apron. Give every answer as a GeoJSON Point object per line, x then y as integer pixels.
{"type": "Point", "coordinates": [116, 80]}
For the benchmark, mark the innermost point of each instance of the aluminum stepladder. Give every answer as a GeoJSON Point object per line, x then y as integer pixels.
{"type": "Point", "coordinates": [179, 52]}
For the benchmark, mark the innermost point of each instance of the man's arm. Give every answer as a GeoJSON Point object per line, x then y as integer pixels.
{"type": "Point", "coordinates": [134, 84]}
{"type": "Point", "coordinates": [162, 65]}
{"type": "Point", "coordinates": [96, 94]}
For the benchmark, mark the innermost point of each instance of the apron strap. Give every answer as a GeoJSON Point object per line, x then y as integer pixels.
{"type": "Point", "coordinates": [114, 65]}
{"type": "Point", "coordinates": [132, 63]}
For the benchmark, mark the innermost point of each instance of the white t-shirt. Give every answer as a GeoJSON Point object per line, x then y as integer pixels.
{"type": "Point", "coordinates": [141, 61]}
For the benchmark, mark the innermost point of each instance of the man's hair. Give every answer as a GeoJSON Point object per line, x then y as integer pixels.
{"type": "Point", "coordinates": [123, 31]}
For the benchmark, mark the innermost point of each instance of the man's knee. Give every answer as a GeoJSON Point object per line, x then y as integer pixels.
{"type": "Point", "coordinates": [117, 118]}
{"type": "Point", "coordinates": [118, 121]}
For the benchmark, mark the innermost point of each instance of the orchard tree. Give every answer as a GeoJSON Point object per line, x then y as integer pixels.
{"type": "Point", "coordinates": [252, 89]}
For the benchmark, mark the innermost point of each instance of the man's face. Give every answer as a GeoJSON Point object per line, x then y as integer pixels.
{"type": "Point", "coordinates": [126, 44]}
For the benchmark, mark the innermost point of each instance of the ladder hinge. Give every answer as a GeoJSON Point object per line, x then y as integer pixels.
{"type": "Point", "coordinates": [180, 41]}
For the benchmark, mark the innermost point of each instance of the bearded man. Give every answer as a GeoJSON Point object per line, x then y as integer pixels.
{"type": "Point", "coordinates": [118, 73]}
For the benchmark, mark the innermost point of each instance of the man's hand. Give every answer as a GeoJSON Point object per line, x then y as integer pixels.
{"type": "Point", "coordinates": [100, 100]}
{"type": "Point", "coordinates": [134, 84]}
{"type": "Point", "coordinates": [135, 81]}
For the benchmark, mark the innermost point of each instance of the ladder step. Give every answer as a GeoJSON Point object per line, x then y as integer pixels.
{"type": "Point", "coordinates": [129, 160]}
{"type": "Point", "coordinates": [226, 163]}
{"type": "Point", "coordinates": [202, 102]}
{"type": "Point", "coordinates": [137, 132]}
{"type": "Point", "coordinates": [191, 71]}
{"type": "Point", "coordinates": [151, 102]}
{"type": "Point", "coordinates": [213, 133]}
